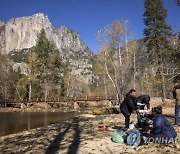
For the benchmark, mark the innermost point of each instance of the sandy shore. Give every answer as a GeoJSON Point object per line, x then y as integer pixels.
{"type": "Point", "coordinates": [79, 135]}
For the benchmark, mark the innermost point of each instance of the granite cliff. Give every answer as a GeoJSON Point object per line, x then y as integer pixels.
{"type": "Point", "coordinates": [21, 33]}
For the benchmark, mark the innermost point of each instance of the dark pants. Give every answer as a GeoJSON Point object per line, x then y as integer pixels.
{"type": "Point", "coordinates": [139, 119]}
{"type": "Point", "coordinates": [127, 120]}
{"type": "Point", "coordinates": [177, 109]}
{"type": "Point", "coordinates": [143, 123]}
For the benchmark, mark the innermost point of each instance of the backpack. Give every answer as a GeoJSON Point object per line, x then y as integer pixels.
{"type": "Point", "coordinates": [133, 137]}
{"type": "Point", "coordinates": [118, 136]}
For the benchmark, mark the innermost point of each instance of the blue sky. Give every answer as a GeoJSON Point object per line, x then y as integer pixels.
{"type": "Point", "coordinates": [87, 16]}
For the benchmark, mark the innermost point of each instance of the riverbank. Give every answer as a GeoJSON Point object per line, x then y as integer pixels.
{"type": "Point", "coordinates": [56, 106]}
{"type": "Point", "coordinates": [80, 106]}
{"type": "Point", "coordinates": [37, 107]}
{"type": "Point", "coordinates": [81, 134]}
{"type": "Point", "coordinates": [84, 134]}
{"type": "Point", "coordinates": [34, 109]}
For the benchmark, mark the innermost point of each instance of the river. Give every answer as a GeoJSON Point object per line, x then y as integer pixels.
{"type": "Point", "coordinates": [19, 121]}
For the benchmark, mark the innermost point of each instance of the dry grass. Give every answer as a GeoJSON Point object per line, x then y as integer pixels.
{"type": "Point", "coordinates": [168, 105]}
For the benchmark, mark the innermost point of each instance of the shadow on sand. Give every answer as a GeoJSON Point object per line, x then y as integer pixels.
{"type": "Point", "coordinates": [73, 147]}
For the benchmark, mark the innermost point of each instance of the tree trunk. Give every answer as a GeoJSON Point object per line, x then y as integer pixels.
{"type": "Point", "coordinates": [105, 87]}
{"type": "Point", "coordinates": [120, 67]}
{"type": "Point", "coordinates": [163, 85]}
{"type": "Point", "coordinates": [134, 65]}
{"type": "Point", "coordinates": [68, 85]}
{"type": "Point", "coordinates": [45, 95]}
{"type": "Point", "coordinates": [126, 41]}
{"type": "Point", "coordinates": [30, 91]}
{"type": "Point", "coordinates": [113, 82]}
{"type": "Point", "coordinates": [17, 92]}
{"type": "Point", "coordinates": [46, 89]}
{"type": "Point", "coordinates": [163, 80]}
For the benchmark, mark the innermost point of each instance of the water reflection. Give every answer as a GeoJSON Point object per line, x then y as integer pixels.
{"type": "Point", "coordinates": [16, 122]}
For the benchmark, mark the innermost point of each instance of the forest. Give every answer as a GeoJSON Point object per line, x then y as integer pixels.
{"type": "Point", "coordinates": [150, 65]}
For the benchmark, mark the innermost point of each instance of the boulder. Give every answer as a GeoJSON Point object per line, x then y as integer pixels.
{"type": "Point", "coordinates": [55, 105]}
{"type": "Point", "coordinates": [76, 106]}
{"type": "Point", "coordinates": [42, 105]}
{"type": "Point", "coordinates": [23, 106]}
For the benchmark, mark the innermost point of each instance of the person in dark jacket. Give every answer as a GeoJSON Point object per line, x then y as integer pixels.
{"type": "Point", "coordinates": [161, 126]}
{"type": "Point", "coordinates": [176, 96]}
{"type": "Point", "coordinates": [128, 105]}
{"type": "Point", "coordinates": [142, 101]}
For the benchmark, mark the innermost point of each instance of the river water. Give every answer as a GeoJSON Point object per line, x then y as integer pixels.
{"type": "Point", "coordinates": [15, 122]}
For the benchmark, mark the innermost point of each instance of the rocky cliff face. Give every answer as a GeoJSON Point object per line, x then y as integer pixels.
{"type": "Point", "coordinates": [21, 33]}
{"type": "Point", "coordinates": [1, 24]}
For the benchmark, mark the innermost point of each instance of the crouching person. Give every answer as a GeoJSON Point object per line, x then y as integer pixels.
{"type": "Point", "coordinates": [161, 126]}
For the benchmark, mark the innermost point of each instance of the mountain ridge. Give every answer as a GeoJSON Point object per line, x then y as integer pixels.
{"type": "Point", "coordinates": [22, 32]}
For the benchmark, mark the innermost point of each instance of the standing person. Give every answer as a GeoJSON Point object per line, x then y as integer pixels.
{"type": "Point", "coordinates": [128, 105]}
{"type": "Point", "coordinates": [142, 101]}
{"type": "Point", "coordinates": [176, 95]}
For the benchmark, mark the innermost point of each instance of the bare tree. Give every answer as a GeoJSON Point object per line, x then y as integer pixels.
{"type": "Point", "coordinates": [102, 41]}
{"type": "Point", "coordinates": [32, 77]}
{"type": "Point", "coordinates": [113, 43]}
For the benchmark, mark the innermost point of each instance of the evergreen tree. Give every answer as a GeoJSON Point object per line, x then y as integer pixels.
{"type": "Point", "coordinates": [48, 65]}
{"type": "Point", "coordinates": [176, 56]}
{"type": "Point", "coordinates": [177, 48]}
{"type": "Point", "coordinates": [8, 80]}
{"type": "Point", "coordinates": [14, 76]}
{"type": "Point", "coordinates": [157, 37]}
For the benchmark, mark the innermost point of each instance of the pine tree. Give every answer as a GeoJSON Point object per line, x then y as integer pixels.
{"type": "Point", "coordinates": [48, 65]}
{"type": "Point", "coordinates": [177, 48]}
{"type": "Point", "coordinates": [157, 34]}
{"type": "Point", "coordinates": [8, 80]}
{"type": "Point", "coordinates": [176, 56]}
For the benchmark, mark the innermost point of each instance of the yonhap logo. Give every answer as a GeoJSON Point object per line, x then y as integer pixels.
{"type": "Point", "coordinates": [161, 140]}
